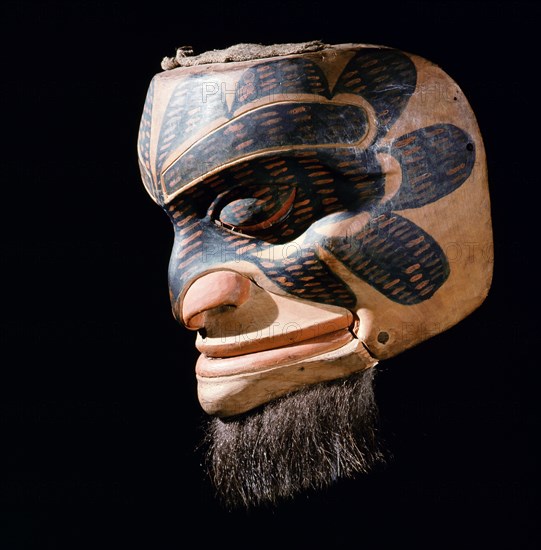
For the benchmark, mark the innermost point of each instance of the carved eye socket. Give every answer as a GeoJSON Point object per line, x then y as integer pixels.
{"type": "Point", "coordinates": [257, 210]}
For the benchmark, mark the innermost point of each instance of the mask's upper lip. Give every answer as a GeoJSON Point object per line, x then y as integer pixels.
{"type": "Point", "coordinates": [220, 346]}
{"type": "Point", "coordinates": [209, 367]}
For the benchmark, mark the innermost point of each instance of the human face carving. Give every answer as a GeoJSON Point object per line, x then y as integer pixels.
{"type": "Point", "coordinates": [314, 199]}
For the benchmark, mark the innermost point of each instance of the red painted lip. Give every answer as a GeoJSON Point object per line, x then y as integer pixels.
{"type": "Point", "coordinates": [211, 367]}
{"type": "Point", "coordinates": [221, 348]}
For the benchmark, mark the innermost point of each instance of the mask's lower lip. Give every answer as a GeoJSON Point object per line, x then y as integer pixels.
{"type": "Point", "coordinates": [253, 362]}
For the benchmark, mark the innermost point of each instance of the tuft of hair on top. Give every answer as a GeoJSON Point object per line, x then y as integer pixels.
{"type": "Point", "coordinates": [185, 56]}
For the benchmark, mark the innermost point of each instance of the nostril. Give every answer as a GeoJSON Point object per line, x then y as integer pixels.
{"type": "Point", "coordinates": [225, 308]}
{"type": "Point", "coordinates": [219, 292]}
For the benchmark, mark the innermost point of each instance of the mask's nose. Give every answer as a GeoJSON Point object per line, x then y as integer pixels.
{"type": "Point", "coordinates": [213, 292]}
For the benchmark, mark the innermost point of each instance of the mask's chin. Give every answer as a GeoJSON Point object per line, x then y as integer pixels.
{"type": "Point", "coordinates": [234, 385]}
{"type": "Point", "coordinates": [304, 440]}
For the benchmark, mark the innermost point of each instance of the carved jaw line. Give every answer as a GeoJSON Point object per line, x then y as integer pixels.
{"type": "Point", "coordinates": [293, 368]}
{"type": "Point", "coordinates": [244, 363]}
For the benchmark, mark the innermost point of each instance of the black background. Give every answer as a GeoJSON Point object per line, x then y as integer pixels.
{"type": "Point", "coordinates": [98, 412]}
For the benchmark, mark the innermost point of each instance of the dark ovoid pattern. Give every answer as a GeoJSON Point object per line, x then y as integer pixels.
{"type": "Point", "coordinates": [279, 77]}
{"type": "Point", "coordinates": [435, 161]}
{"type": "Point", "coordinates": [282, 125]}
{"type": "Point", "coordinates": [386, 78]}
{"type": "Point", "coordinates": [391, 253]}
{"type": "Point", "coordinates": [395, 256]}
{"type": "Point", "coordinates": [303, 274]}
{"type": "Point", "coordinates": [195, 102]}
{"type": "Point", "coordinates": [200, 99]}
{"type": "Point", "coordinates": [253, 211]}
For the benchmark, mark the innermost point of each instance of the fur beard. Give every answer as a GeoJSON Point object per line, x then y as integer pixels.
{"type": "Point", "coordinates": [305, 440]}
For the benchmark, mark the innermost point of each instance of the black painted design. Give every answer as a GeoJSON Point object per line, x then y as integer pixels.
{"type": "Point", "coordinates": [435, 161]}
{"type": "Point", "coordinates": [280, 77]}
{"type": "Point", "coordinates": [198, 100]}
{"type": "Point", "coordinates": [143, 144]}
{"type": "Point", "coordinates": [293, 193]}
{"type": "Point", "coordinates": [304, 275]}
{"type": "Point", "coordinates": [195, 103]}
{"type": "Point", "coordinates": [385, 78]}
{"type": "Point", "coordinates": [395, 256]}
{"type": "Point", "coordinates": [283, 125]}
{"type": "Point", "coordinates": [296, 169]}
{"type": "Point", "coordinates": [359, 181]}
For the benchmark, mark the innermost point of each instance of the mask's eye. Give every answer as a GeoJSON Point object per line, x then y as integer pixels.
{"type": "Point", "coordinates": [255, 210]}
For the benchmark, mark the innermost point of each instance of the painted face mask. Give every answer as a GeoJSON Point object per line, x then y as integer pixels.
{"type": "Point", "coordinates": [330, 209]}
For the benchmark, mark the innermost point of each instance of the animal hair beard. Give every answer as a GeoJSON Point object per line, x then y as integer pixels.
{"type": "Point", "coordinates": [303, 441]}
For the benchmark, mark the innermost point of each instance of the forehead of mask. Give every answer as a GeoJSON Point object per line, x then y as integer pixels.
{"type": "Point", "coordinates": [354, 177]}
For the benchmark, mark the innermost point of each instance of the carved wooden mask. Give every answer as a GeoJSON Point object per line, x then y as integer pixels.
{"type": "Point", "coordinates": [330, 210]}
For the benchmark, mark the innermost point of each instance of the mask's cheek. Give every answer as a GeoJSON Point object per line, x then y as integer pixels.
{"type": "Point", "coordinates": [410, 289]}
{"type": "Point", "coordinates": [297, 270]}
{"type": "Point", "coordinates": [388, 328]}
{"type": "Point", "coordinates": [382, 324]}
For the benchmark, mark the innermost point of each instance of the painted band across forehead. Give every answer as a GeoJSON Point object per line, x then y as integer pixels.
{"type": "Point", "coordinates": [286, 126]}
{"type": "Point", "coordinates": [284, 104]}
